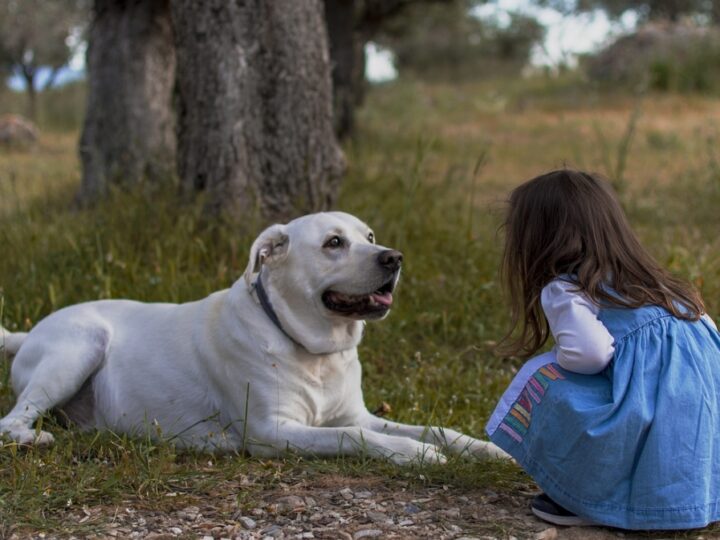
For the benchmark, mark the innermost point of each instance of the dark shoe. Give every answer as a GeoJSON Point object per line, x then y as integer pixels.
{"type": "Point", "coordinates": [548, 510]}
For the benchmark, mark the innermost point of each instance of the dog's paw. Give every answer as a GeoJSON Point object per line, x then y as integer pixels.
{"type": "Point", "coordinates": [424, 454]}
{"type": "Point", "coordinates": [487, 450]}
{"type": "Point", "coordinates": [21, 434]}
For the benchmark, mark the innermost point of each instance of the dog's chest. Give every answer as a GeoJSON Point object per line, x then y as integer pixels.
{"type": "Point", "coordinates": [329, 388]}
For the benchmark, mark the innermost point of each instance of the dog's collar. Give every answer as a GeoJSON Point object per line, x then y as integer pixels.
{"type": "Point", "coordinates": [268, 308]}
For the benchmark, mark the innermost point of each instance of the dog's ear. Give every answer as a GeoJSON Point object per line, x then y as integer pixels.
{"type": "Point", "coordinates": [272, 245]}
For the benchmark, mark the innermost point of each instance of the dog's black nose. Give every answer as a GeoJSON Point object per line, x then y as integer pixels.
{"type": "Point", "coordinates": [390, 259]}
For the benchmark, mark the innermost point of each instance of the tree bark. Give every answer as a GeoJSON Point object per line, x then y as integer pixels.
{"type": "Point", "coordinates": [129, 132]}
{"type": "Point", "coordinates": [347, 55]}
{"type": "Point", "coordinates": [255, 106]}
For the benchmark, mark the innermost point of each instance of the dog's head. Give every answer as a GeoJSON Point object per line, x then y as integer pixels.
{"type": "Point", "coordinates": [324, 274]}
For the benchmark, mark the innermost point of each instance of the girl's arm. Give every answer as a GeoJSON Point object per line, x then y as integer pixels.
{"type": "Point", "coordinates": [583, 344]}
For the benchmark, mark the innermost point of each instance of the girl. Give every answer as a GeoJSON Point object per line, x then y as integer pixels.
{"type": "Point", "coordinates": [620, 423]}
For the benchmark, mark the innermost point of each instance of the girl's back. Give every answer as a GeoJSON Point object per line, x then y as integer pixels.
{"type": "Point", "coordinates": [618, 424]}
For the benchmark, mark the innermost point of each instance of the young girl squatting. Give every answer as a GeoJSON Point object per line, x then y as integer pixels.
{"type": "Point", "coordinates": [619, 424]}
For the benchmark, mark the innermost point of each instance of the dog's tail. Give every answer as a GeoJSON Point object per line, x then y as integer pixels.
{"type": "Point", "coordinates": [10, 343]}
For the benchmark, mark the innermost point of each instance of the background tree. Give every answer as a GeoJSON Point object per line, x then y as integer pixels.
{"type": "Point", "coordinates": [351, 25]}
{"type": "Point", "coordinates": [128, 133]}
{"type": "Point", "coordinates": [449, 42]}
{"type": "Point", "coordinates": [671, 10]}
{"type": "Point", "coordinates": [255, 105]}
{"type": "Point", "coordinates": [34, 34]}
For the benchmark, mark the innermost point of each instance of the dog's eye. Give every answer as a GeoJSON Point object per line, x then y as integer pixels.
{"type": "Point", "coordinates": [371, 238]}
{"type": "Point", "coordinates": [334, 243]}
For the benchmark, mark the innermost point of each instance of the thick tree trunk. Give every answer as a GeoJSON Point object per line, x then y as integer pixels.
{"type": "Point", "coordinates": [255, 105]}
{"type": "Point", "coordinates": [347, 55]}
{"type": "Point", "coordinates": [129, 132]}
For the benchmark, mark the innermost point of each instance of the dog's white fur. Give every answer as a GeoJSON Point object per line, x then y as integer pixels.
{"type": "Point", "coordinates": [217, 374]}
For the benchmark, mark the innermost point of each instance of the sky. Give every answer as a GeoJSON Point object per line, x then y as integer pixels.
{"type": "Point", "coordinates": [566, 36]}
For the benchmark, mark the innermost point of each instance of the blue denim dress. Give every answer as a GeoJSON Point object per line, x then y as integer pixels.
{"type": "Point", "coordinates": [636, 446]}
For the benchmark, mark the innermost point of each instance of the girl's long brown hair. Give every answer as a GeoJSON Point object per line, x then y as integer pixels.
{"type": "Point", "coordinates": [570, 222]}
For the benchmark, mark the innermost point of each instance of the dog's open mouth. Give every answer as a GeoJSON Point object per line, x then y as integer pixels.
{"type": "Point", "coordinates": [375, 304]}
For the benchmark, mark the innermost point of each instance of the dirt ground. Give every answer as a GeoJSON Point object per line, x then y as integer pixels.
{"type": "Point", "coordinates": [333, 507]}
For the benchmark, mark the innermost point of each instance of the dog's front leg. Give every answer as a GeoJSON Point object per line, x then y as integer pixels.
{"type": "Point", "coordinates": [453, 441]}
{"type": "Point", "coordinates": [279, 436]}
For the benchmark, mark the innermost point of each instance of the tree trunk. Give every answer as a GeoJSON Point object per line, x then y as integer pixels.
{"type": "Point", "coordinates": [347, 55]}
{"type": "Point", "coordinates": [51, 78]}
{"type": "Point", "coordinates": [351, 24]}
{"type": "Point", "coordinates": [128, 133]}
{"type": "Point", "coordinates": [28, 73]}
{"type": "Point", "coordinates": [255, 105]}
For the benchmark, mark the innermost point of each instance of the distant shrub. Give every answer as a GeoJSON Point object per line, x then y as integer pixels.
{"type": "Point", "coordinates": [664, 57]}
{"type": "Point", "coordinates": [58, 109]}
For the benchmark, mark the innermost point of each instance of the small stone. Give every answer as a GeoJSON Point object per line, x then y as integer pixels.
{"type": "Point", "coordinates": [377, 517]}
{"type": "Point", "coordinates": [290, 503]}
{"type": "Point", "coordinates": [406, 522]}
{"type": "Point", "coordinates": [410, 508]}
{"type": "Point", "coordinates": [273, 531]}
{"type": "Point", "coordinates": [346, 494]}
{"type": "Point", "coordinates": [247, 522]}
{"type": "Point", "coordinates": [450, 513]}
{"type": "Point", "coordinates": [363, 494]}
{"type": "Point", "coordinates": [367, 533]}
{"type": "Point", "coordinates": [176, 530]}
{"type": "Point", "coordinates": [547, 534]}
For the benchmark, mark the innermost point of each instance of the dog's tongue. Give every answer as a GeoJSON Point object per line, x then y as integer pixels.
{"type": "Point", "coordinates": [385, 299]}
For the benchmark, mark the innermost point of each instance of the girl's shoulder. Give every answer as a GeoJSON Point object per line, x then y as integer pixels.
{"type": "Point", "coordinates": [562, 286]}
{"type": "Point", "coordinates": [564, 291]}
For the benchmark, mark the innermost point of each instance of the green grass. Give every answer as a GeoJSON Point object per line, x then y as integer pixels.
{"type": "Point", "coordinates": [414, 176]}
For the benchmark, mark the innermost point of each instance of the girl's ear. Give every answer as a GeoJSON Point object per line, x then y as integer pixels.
{"type": "Point", "coordinates": [271, 246]}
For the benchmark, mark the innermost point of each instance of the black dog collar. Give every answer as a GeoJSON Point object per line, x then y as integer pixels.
{"type": "Point", "coordinates": [267, 307]}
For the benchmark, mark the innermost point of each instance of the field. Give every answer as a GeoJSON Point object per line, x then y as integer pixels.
{"type": "Point", "coordinates": [429, 169]}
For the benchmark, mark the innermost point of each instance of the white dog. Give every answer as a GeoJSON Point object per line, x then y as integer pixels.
{"type": "Point", "coordinates": [268, 365]}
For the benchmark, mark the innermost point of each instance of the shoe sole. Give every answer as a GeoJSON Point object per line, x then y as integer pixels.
{"type": "Point", "coordinates": [567, 521]}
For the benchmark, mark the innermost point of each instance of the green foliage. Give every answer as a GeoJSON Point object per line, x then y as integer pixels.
{"type": "Point", "coordinates": [446, 41]}
{"type": "Point", "coordinates": [35, 34]}
{"type": "Point", "coordinates": [645, 9]}
{"type": "Point", "coordinates": [680, 58]}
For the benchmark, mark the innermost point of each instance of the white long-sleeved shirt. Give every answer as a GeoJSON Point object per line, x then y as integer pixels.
{"type": "Point", "coordinates": [582, 343]}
